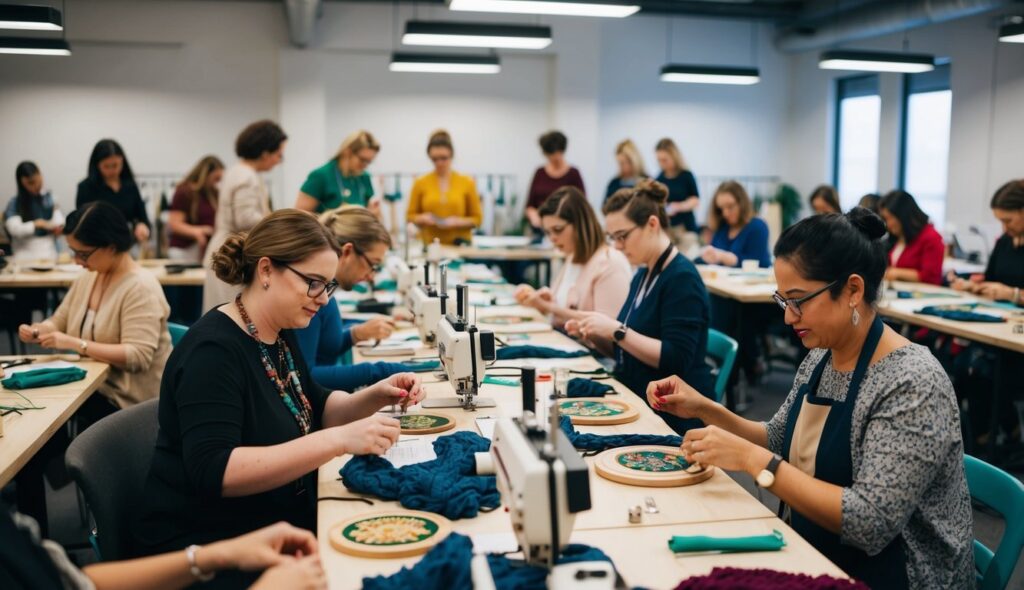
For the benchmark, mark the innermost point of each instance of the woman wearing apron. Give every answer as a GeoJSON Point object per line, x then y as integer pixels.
{"type": "Point", "coordinates": [865, 454]}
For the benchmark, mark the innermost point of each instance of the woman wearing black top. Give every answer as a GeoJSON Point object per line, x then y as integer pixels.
{"type": "Point", "coordinates": [110, 179]}
{"type": "Point", "coordinates": [243, 427]}
{"type": "Point", "coordinates": [662, 329]}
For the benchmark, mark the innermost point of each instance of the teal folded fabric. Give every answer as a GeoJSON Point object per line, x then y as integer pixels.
{"type": "Point", "coordinates": [528, 351]}
{"type": "Point", "coordinates": [384, 285]}
{"type": "Point", "coordinates": [960, 313]}
{"type": "Point", "coordinates": [772, 542]}
{"type": "Point", "coordinates": [579, 387]}
{"type": "Point", "coordinates": [421, 366]}
{"type": "Point", "coordinates": [43, 377]}
{"type": "Point", "coordinates": [505, 381]}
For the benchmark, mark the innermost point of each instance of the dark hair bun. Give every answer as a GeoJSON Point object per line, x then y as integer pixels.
{"type": "Point", "coordinates": [867, 223]}
{"type": "Point", "coordinates": [653, 190]}
{"type": "Point", "coordinates": [229, 262]}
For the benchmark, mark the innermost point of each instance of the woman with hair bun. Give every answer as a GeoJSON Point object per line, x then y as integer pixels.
{"type": "Point", "coordinates": [662, 329]}
{"type": "Point", "coordinates": [866, 451]}
{"type": "Point", "coordinates": [444, 204]}
{"type": "Point", "coordinates": [243, 426]}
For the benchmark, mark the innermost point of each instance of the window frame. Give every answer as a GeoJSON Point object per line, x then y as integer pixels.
{"type": "Point", "coordinates": [849, 87]}
{"type": "Point", "coordinates": [933, 81]}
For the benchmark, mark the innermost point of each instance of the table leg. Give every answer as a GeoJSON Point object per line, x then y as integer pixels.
{"type": "Point", "coordinates": [31, 495]}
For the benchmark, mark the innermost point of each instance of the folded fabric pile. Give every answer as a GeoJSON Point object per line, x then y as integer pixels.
{"type": "Point", "coordinates": [528, 351]}
{"type": "Point", "coordinates": [960, 313]}
{"type": "Point", "coordinates": [579, 387]}
{"type": "Point", "coordinates": [692, 543]}
{"type": "Point", "coordinates": [447, 485]}
{"type": "Point", "coordinates": [43, 377]}
{"type": "Point", "coordinates": [448, 566]}
{"type": "Point", "coordinates": [597, 442]}
{"type": "Point", "coordinates": [734, 578]}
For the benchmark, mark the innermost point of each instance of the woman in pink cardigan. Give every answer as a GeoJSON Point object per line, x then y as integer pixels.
{"type": "Point", "coordinates": [595, 277]}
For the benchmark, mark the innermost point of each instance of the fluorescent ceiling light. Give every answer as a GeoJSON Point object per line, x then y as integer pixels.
{"type": "Point", "coordinates": [1012, 33]}
{"type": "Point", "coordinates": [476, 35]}
{"type": "Point", "coordinates": [20, 46]}
{"type": "Point", "coordinates": [555, 7]}
{"type": "Point", "coordinates": [444, 64]}
{"type": "Point", "coordinates": [30, 18]}
{"type": "Point", "coordinates": [877, 61]}
{"type": "Point", "coordinates": [709, 74]}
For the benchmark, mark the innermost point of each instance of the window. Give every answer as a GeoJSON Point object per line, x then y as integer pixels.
{"type": "Point", "coordinates": [927, 107]}
{"type": "Point", "coordinates": [858, 117]}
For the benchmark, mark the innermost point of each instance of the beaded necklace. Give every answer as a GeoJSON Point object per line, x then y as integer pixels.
{"type": "Point", "coordinates": [303, 417]}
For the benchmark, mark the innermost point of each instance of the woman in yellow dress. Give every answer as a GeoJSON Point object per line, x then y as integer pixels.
{"type": "Point", "coordinates": [444, 204]}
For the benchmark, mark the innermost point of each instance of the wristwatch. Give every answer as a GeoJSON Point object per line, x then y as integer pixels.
{"type": "Point", "coordinates": [766, 478]}
{"type": "Point", "coordinates": [620, 332]}
{"type": "Point", "coordinates": [83, 346]}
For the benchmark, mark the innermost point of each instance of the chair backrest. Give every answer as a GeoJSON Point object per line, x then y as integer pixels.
{"type": "Point", "coordinates": [722, 349]}
{"type": "Point", "coordinates": [110, 461]}
{"type": "Point", "coordinates": [177, 332]}
{"type": "Point", "coordinates": [1003, 493]}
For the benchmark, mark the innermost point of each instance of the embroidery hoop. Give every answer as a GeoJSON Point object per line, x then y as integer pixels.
{"type": "Point", "coordinates": [348, 546]}
{"type": "Point", "coordinates": [607, 466]}
{"type": "Point", "coordinates": [627, 414]}
{"type": "Point", "coordinates": [433, 429]}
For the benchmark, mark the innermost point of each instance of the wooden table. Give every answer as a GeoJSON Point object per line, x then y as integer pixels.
{"type": "Point", "coordinates": [718, 506]}
{"type": "Point", "coordinates": [63, 275]}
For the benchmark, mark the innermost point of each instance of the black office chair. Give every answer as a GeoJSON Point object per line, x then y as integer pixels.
{"type": "Point", "coordinates": [109, 462]}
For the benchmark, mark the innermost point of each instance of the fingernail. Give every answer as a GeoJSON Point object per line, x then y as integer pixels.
{"type": "Point", "coordinates": [403, 393]}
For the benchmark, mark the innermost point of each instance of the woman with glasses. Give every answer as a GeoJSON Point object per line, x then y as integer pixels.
{"type": "Point", "coordinates": [444, 204]}
{"type": "Point", "coordinates": [364, 243]}
{"type": "Point", "coordinates": [595, 277]}
{"type": "Point", "coordinates": [243, 199]}
{"type": "Point", "coordinates": [662, 329]}
{"type": "Point", "coordinates": [115, 313]}
{"type": "Point", "coordinates": [243, 425]}
{"type": "Point", "coordinates": [865, 452]}
{"type": "Point", "coordinates": [343, 180]}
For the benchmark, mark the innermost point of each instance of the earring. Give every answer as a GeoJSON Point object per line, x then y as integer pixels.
{"type": "Point", "coordinates": [266, 286]}
{"type": "Point", "coordinates": [855, 317]}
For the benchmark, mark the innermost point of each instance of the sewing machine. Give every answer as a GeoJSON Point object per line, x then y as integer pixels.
{"type": "Point", "coordinates": [426, 304]}
{"type": "Point", "coordinates": [544, 483]}
{"type": "Point", "coordinates": [463, 350]}
{"type": "Point", "coordinates": [404, 275]}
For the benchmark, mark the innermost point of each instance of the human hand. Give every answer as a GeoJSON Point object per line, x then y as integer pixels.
{"type": "Point", "coordinates": [374, 329]}
{"type": "Point", "coordinates": [425, 220]}
{"type": "Point", "coordinates": [263, 548]}
{"type": "Point", "coordinates": [715, 446]}
{"type": "Point", "coordinates": [523, 293]}
{"type": "Point", "coordinates": [373, 435]}
{"type": "Point", "coordinates": [43, 224]}
{"type": "Point", "coordinates": [994, 290]}
{"type": "Point", "coordinates": [675, 396]}
{"type": "Point", "coordinates": [596, 324]}
{"type": "Point", "coordinates": [545, 294]}
{"type": "Point", "coordinates": [58, 340]}
{"type": "Point", "coordinates": [710, 254]}
{"type": "Point", "coordinates": [572, 328]}
{"type": "Point", "coordinates": [298, 574]}
{"type": "Point", "coordinates": [405, 389]}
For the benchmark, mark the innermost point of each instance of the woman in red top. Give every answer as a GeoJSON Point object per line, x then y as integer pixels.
{"type": "Point", "coordinates": [916, 249]}
{"type": "Point", "coordinates": [550, 177]}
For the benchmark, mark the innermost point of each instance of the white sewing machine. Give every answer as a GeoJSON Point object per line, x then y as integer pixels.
{"type": "Point", "coordinates": [544, 483]}
{"type": "Point", "coordinates": [425, 304]}
{"type": "Point", "coordinates": [403, 274]}
{"type": "Point", "coordinates": [463, 350]}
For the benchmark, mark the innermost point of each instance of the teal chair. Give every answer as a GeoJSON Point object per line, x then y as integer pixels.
{"type": "Point", "coordinates": [722, 349]}
{"type": "Point", "coordinates": [1003, 493]}
{"type": "Point", "coordinates": [177, 332]}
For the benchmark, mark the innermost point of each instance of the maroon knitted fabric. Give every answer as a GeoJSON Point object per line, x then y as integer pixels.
{"type": "Point", "coordinates": [732, 578]}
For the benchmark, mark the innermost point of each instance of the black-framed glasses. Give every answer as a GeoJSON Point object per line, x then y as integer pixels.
{"type": "Point", "coordinates": [555, 230]}
{"type": "Point", "coordinates": [620, 237]}
{"type": "Point", "coordinates": [82, 255]}
{"type": "Point", "coordinates": [785, 303]}
{"type": "Point", "coordinates": [374, 266]}
{"type": "Point", "coordinates": [315, 286]}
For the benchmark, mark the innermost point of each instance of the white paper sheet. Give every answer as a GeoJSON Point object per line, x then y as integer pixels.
{"type": "Point", "coordinates": [34, 366]}
{"type": "Point", "coordinates": [486, 427]}
{"type": "Point", "coordinates": [484, 543]}
{"type": "Point", "coordinates": [411, 451]}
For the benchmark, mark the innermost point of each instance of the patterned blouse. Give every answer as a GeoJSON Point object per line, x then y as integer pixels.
{"type": "Point", "coordinates": [908, 474]}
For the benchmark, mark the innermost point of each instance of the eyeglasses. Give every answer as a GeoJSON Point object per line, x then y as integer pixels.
{"type": "Point", "coordinates": [555, 230]}
{"type": "Point", "coordinates": [374, 266]}
{"type": "Point", "coordinates": [620, 237]}
{"type": "Point", "coordinates": [440, 158]}
{"type": "Point", "coordinates": [82, 255]}
{"type": "Point", "coordinates": [316, 287]}
{"type": "Point", "coordinates": [785, 303]}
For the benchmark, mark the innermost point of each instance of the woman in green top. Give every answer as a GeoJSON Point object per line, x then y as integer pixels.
{"type": "Point", "coordinates": [343, 180]}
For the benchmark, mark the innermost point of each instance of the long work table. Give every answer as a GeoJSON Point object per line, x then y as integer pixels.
{"type": "Point", "coordinates": [718, 506]}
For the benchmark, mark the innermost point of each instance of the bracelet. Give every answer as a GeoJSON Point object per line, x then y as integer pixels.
{"type": "Point", "coordinates": [1016, 295]}
{"type": "Point", "coordinates": [83, 346]}
{"type": "Point", "coordinates": [190, 554]}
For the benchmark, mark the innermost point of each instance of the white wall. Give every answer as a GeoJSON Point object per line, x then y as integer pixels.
{"type": "Point", "coordinates": [987, 80]}
{"type": "Point", "coordinates": [171, 81]}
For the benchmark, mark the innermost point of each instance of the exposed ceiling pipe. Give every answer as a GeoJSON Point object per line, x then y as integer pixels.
{"type": "Point", "coordinates": [302, 16]}
{"type": "Point", "coordinates": [877, 19]}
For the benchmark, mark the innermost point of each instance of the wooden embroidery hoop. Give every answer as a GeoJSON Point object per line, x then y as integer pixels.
{"type": "Point", "coordinates": [607, 466]}
{"type": "Point", "coordinates": [434, 429]}
{"type": "Point", "coordinates": [350, 547]}
{"type": "Point", "coordinates": [629, 413]}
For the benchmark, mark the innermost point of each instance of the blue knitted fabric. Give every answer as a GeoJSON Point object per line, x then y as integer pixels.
{"type": "Point", "coordinates": [597, 442]}
{"type": "Point", "coordinates": [959, 313]}
{"type": "Point", "coordinates": [528, 351]}
{"type": "Point", "coordinates": [446, 485]}
{"type": "Point", "coordinates": [579, 387]}
{"type": "Point", "coordinates": [448, 566]}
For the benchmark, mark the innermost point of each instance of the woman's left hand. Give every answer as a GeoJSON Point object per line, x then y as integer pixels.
{"type": "Point", "coordinates": [598, 325]}
{"type": "Point", "coordinates": [994, 290]}
{"type": "Point", "coordinates": [404, 389]}
{"type": "Point", "coordinates": [141, 232]}
{"type": "Point", "coordinates": [714, 446]}
{"type": "Point", "coordinates": [58, 340]}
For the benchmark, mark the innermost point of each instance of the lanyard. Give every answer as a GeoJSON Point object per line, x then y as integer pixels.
{"type": "Point", "coordinates": [648, 283]}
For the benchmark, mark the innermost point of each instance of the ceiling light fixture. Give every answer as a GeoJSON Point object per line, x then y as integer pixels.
{"type": "Point", "coordinates": [30, 18]}
{"type": "Point", "coordinates": [20, 46]}
{"type": "Point", "coordinates": [876, 61]}
{"type": "Point", "coordinates": [444, 64]}
{"type": "Point", "coordinates": [458, 34]}
{"type": "Point", "coordinates": [709, 74]}
{"type": "Point", "coordinates": [603, 8]}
